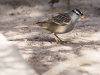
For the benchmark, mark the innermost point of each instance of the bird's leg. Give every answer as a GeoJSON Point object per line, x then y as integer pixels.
{"type": "Point", "coordinates": [58, 40]}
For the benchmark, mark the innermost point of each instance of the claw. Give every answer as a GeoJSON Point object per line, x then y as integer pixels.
{"type": "Point", "coordinates": [58, 40]}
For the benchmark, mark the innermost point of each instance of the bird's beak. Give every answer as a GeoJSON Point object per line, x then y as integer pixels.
{"type": "Point", "coordinates": [82, 17]}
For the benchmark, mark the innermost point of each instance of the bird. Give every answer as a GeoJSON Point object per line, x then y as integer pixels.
{"type": "Point", "coordinates": [60, 24]}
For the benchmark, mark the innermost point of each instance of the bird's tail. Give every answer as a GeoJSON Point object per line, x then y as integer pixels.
{"type": "Point", "coordinates": [26, 26]}
{"type": "Point", "coordinates": [38, 24]}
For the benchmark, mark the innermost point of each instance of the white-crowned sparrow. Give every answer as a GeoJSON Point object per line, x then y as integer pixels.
{"type": "Point", "coordinates": [62, 23]}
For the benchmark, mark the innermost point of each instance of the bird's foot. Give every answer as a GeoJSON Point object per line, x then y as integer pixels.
{"type": "Point", "coordinates": [58, 40]}
{"type": "Point", "coordinates": [61, 41]}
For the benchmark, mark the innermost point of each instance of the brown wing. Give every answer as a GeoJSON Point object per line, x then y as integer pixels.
{"type": "Point", "coordinates": [61, 19]}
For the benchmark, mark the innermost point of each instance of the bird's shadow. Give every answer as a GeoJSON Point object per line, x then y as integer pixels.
{"type": "Point", "coordinates": [35, 39]}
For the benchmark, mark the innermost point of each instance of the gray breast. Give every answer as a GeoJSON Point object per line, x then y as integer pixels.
{"type": "Point", "coordinates": [63, 29]}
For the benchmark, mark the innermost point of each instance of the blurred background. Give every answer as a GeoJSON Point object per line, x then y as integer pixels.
{"type": "Point", "coordinates": [79, 57]}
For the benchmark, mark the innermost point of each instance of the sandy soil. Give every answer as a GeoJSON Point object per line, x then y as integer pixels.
{"type": "Point", "coordinates": [80, 56]}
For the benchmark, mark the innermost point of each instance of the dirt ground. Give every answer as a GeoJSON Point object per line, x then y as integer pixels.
{"type": "Point", "coordinates": [80, 56]}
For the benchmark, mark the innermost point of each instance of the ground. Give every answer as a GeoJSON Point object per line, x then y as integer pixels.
{"type": "Point", "coordinates": [79, 56]}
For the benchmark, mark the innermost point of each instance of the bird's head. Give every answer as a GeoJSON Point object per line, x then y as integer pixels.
{"type": "Point", "coordinates": [79, 13]}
